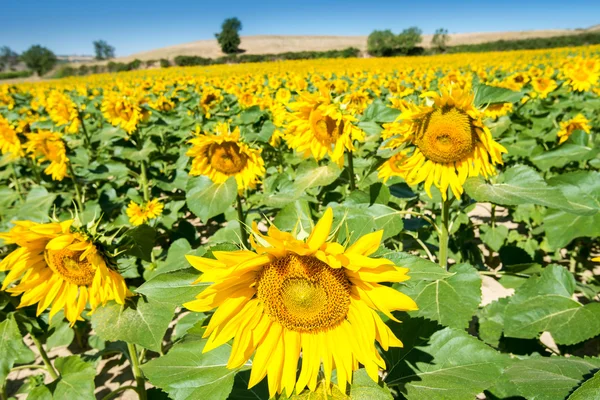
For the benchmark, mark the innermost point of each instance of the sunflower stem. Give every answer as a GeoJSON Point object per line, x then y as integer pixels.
{"type": "Point", "coordinates": [137, 372]}
{"type": "Point", "coordinates": [240, 212]}
{"type": "Point", "coordinates": [351, 171]}
{"type": "Point", "coordinates": [443, 257]}
{"type": "Point", "coordinates": [78, 198]}
{"type": "Point", "coordinates": [115, 392]}
{"type": "Point", "coordinates": [45, 358]}
{"type": "Point", "coordinates": [144, 177]}
{"type": "Point", "coordinates": [88, 142]}
{"type": "Point", "coordinates": [17, 182]}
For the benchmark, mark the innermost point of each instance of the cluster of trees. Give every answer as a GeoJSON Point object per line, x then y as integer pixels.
{"type": "Point", "coordinates": [229, 37]}
{"type": "Point", "coordinates": [386, 43]}
{"type": "Point", "coordinates": [103, 50]}
{"type": "Point", "coordinates": [41, 60]}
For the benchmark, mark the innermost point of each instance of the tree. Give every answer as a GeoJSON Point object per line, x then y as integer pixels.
{"type": "Point", "coordinates": [8, 58]}
{"type": "Point", "coordinates": [229, 38]}
{"type": "Point", "coordinates": [103, 50]}
{"type": "Point", "coordinates": [381, 43]}
{"type": "Point", "coordinates": [408, 39]}
{"type": "Point", "coordinates": [39, 59]}
{"type": "Point", "coordinates": [440, 39]}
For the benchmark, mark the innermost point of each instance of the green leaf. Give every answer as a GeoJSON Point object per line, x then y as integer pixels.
{"type": "Point", "coordinates": [387, 219]}
{"type": "Point", "coordinates": [186, 373]}
{"type": "Point", "coordinates": [139, 241]}
{"type": "Point", "coordinates": [485, 95]}
{"type": "Point", "coordinates": [37, 205]}
{"type": "Point", "coordinates": [364, 388]}
{"type": "Point", "coordinates": [549, 378]}
{"type": "Point", "coordinates": [379, 112]}
{"type": "Point", "coordinates": [491, 321]}
{"type": "Point", "coordinates": [61, 333]}
{"type": "Point", "coordinates": [562, 227]}
{"type": "Point", "coordinates": [174, 288]}
{"type": "Point", "coordinates": [76, 379]}
{"type": "Point", "coordinates": [493, 236]}
{"type": "Point", "coordinates": [207, 199]}
{"type": "Point", "coordinates": [450, 364]}
{"type": "Point", "coordinates": [522, 185]}
{"type": "Point", "coordinates": [139, 321]}
{"type": "Point", "coordinates": [563, 155]}
{"type": "Point", "coordinates": [580, 188]}
{"type": "Point", "coordinates": [294, 215]}
{"type": "Point", "coordinates": [11, 346]}
{"type": "Point", "coordinates": [319, 176]}
{"type": "Point", "coordinates": [176, 256]}
{"type": "Point", "coordinates": [451, 300]}
{"type": "Point", "coordinates": [589, 390]}
{"type": "Point", "coordinates": [544, 303]}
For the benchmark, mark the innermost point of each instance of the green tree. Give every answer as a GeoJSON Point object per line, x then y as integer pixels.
{"type": "Point", "coordinates": [103, 50]}
{"type": "Point", "coordinates": [39, 59]}
{"type": "Point", "coordinates": [8, 58]}
{"type": "Point", "coordinates": [408, 39]}
{"type": "Point", "coordinates": [440, 40]}
{"type": "Point", "coordinates": [229, 38]}
{"type": "Point", "coordinates": [381, 43]}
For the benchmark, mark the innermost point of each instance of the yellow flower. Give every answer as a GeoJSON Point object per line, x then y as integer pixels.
{"type": "Point", "coordinates": [139, 214]}
{"type": "Point", "coordinates": [543, 86]}
{"type": "Point", "coordinates": [122, 110]}
{"type": "Point", "coordinates": [222, 155]}
{"type": "Point", "coordinates": [163, 104]}
{"type": "Point", "coordinates": [49, 146]}
{"type": "Point", "coordinates": [58, 267]}
{"type": "Point", "coordinates": [580, 78]}
{"type": "Point", "coordinates": [497, 110]}
{"type": "Point", "coordinates": [442, 144]}
{"type": "Point", "coordinates": [579, 122]}
{"type": "Point", "coordinates": [63, 111]}
{"type": "Point", "coordinates": [210, 98]}
{"type": "Point", "coordinates": [9, 141]}
{"type": "Point", "coordinates": [290, 297]}
{"type": "Point", "coordinates": [319, 128]}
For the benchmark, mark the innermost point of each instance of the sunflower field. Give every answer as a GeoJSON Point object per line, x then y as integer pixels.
{"type": "Point", "coordinates": [411, 228]}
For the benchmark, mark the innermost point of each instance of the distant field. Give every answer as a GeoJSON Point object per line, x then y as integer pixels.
{"type": "Point", "coordinates": [280, 44]}
{"type": "Point", "coordinates": [272, 44]}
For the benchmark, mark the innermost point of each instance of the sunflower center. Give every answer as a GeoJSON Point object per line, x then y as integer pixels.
{"type": "Point", "coordinates": [446, 136]}
{"type": "Point", "coordinates": [581, 75]}
{"type": "Point", "coordinates": [326, 129]}
{"type": "Point", "coordinates": [67, 263]}
{"type": "Point", "coordinates": [227, 158]}
{"type": "Point", "coordinates": [209, 99]}
{"type": "Point", "coordinates": [303, 293]}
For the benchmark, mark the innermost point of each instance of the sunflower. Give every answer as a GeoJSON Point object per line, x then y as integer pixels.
{"type": "Point", "coordinates": [141, 213]}
{"type": "Point", "coordinates": [543, 86]}
{"type": "Point", "coordinates": [49, 146]}
{"type": "Point", "coordinates": [209, 99]}
{"type": "Point", "coordinates": [63, 111]}
{"type": "Point", "coordinates": [9, 141]}
{"type": "Point", "coordinates": [290, 296]}
{"type": "Point", "coordinates": [580, 77]}
{"type": "Point", "coordinates": [320, 127]}
{"type": "Point", "coordinates": [441, 144]}
{"type": "Point", "coordinates": [579, 122]}
{"type": "Point", "coordinates": [58, 266]}
{"type": "Point", "coordinates": [163, 104]}
{"type": "Point", "coordinates": [123, 110]}
{"type": "Point", "coordinates": [222, 154]}
{"type": "Point", "coordinates": [497, 110]}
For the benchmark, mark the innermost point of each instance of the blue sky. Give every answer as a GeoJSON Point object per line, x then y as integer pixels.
{"type": "Point", "coordinates": [69, 27]}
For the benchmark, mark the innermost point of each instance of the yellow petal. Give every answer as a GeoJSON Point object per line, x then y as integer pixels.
{"type": "Point", "coordinates": [321, 231]}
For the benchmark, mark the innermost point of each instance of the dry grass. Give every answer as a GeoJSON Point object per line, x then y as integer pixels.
{"type": "Point", "coordinates": [265, 44]}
